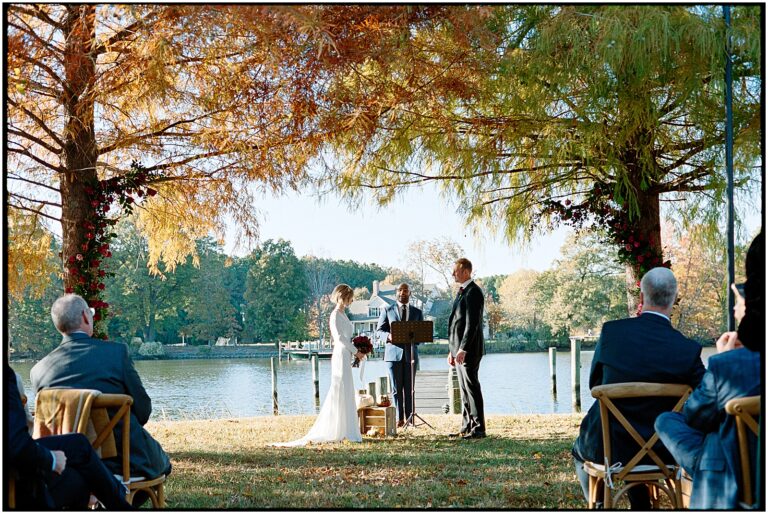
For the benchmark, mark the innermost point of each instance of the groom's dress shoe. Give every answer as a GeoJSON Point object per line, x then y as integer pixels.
{"type": "Point", "coordinates": [475, 434]}
{"type": "Point", "coordinates": [400, 424]}
{"type": "Point", "coordinates": [461, 433]}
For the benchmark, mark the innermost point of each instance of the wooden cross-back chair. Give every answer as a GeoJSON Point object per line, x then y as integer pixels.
{"type": "Point", "coordinates": [746, 410]}
{"type": "Point", "coordinates": [101, 404]}
{"type": "Point", "coordinates": [660, 475]}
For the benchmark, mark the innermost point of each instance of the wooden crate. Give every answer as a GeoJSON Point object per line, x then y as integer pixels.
{"type": "Point", "coordinates": [382, 418]}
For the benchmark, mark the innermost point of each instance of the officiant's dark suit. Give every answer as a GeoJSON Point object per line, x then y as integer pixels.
{"type": "Point", "coordinates": [467, 347]}
{"type": "Point", "coordinates": [398, 356]}
{"type": "Point", "coordinates": [83, 362]}
{"type": "Point", "coordinates": [641, 349]}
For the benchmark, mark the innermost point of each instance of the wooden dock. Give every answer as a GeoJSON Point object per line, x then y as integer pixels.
{"type": "Point", "coordinates": [431, 392]}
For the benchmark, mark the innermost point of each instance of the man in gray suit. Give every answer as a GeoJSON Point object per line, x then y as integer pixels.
{"type": "Point", "coordinates": [467, 347]}
{"type": "Point", "coordinates": [82, 362]}
{"type": "Point", "coordinates": [397, 356]}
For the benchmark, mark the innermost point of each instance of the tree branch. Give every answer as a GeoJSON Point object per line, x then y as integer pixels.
{"type": "Point", "coordinates": [44, 202]}
{"type": "Point", "coordinates": [103, 47]}
{"type": "Point", "coordinates": [13, 176]}
{"type": "Point", "coordinates": [37, 13]}
{"type": "Point", "coordinates": [35, 62]}
{"type": "Point", "coordinates": [131, 139]}
{"type": "Point", "coordinates": [27, 30]}
{"type": "Point", "coordinates": [38, 211]}
{"type": "Point", "coordinates": [37, 159]}
{"type": "Point", "coordinates": [34, 139]}
{"type": "Point", "coordinates": [40, 123]}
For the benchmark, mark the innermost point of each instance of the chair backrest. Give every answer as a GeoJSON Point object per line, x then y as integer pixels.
{"type": "Point", "coordinates": [91, 418]}
{"type": "Point", "coordinates": [62, 410]}
{"type": "Point", "coordinates": [121, 402]}
{"type": "Point", "coordinates": [606, 394]}
{"type": "Point", "coordinates": [746, 410]}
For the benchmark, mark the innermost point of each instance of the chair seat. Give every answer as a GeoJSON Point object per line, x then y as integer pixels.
{"type": "Point", "coordinates": [640, 468]}
{"type": "Point", "coordinates": [131, 480]}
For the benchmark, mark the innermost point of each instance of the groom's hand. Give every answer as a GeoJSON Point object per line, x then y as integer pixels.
{"type": "Point", "coordinates": [460, 355]}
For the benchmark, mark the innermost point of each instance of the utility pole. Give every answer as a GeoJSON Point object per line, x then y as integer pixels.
{"type": "Point", "coordinates": [729, 162]}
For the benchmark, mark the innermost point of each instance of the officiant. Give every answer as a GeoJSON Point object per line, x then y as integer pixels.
{"type": "Point", "coordinates": [399, 356]}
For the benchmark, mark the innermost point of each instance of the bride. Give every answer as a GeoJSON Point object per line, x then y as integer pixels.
{"type": "Point", "coordinates": [338, 416]}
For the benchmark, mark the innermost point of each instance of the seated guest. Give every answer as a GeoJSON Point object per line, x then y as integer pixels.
{"type": "Point", "coordinates": [58, 471]}
{"type": "Point", "coordinates": [83, 362]}
{"type": "Point", "coordinates": [641, 349]}
{"type": "Point", "coordinates": [702, 438]}
{"type": "Point", "coordinates": [752, 327]}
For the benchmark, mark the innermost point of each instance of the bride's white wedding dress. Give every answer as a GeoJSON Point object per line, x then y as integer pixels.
{"type": "Point", "coordinates": [338, 415]}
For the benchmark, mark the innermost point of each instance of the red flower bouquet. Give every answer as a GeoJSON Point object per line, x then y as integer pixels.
{"type": "Point", "coordinates": [364, 346]}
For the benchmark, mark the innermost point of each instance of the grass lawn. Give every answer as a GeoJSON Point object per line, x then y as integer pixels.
{"type": "Point", "coordinates": [524, 463]}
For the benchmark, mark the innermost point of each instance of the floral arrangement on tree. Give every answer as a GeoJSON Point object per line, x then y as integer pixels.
{"type": "Point", "coordinates": [599, 208]}
{"type": "Point", "coordinates": [363, 345]}
{"type": "Point", "coordinates": [87, 266]}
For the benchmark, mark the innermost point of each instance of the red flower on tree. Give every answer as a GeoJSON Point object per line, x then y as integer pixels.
{"type": "Point", "coordinates": [86, 266]}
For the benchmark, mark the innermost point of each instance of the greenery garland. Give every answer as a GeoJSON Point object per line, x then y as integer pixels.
{"type": "Point", "coordinates": [88, 265]}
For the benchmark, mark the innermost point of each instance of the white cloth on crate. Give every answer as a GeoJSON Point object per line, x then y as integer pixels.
{"type": "Point", "coordinates": [337, 420]}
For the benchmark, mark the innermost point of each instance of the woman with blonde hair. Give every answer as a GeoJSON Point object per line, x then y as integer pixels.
{"type": "Point", "coordinates": [338, 415]}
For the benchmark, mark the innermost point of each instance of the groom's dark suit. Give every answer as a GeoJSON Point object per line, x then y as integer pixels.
{"type": "Point", "coordinates": [398, 359]}
{"type": "Point", "coordinates": [465, 332]}
{"type": "Point", "coordinates": [82, 362]}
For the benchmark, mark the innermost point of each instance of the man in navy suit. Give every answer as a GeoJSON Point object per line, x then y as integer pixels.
{"type": "Point", "coordinates": [82, 362]}
{"type": "Point", "coordinates": [466, 348]}
{"type": "Point", "coordinates": [641, 349]}
{"type": "Point", "coordinates": [399, 357]}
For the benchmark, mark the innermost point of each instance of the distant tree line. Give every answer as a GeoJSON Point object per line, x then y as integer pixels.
{"type": "Point", "coordinates": [265, 296]}
{"type": "Point", "coordinates": [273, 295]}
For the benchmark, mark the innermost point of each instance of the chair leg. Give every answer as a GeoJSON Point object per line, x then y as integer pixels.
{"type": "Point", "coordinates": [592, 492]}
{"type": "Point", "coordinates": [677, 486]}
{"type": "Point", "coordinates": [607, 500]}
{"type": "Point", "coordinates": [152, 497]}
{"type": "Point", "coordinates": [653, 493]}
{"type": "Point", "coordinates": [11, 492]}
{"type": "Point", "coordinates": [160, 496]}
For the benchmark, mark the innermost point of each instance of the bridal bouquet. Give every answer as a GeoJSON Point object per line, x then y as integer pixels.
{"type": "Point", "coordinates": [363, 345]}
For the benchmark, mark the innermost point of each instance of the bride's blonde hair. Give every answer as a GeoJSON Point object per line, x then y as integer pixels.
{"type": "Point", "coordinates": [342, 292]}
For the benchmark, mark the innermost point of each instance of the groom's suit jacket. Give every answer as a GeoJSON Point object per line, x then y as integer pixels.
{"type": "Point", "coordinates": [394, 352]}
{"type": "Point", "coordinates": [465, 324]}
{"type": "Point", "coordinates": [81, 362]}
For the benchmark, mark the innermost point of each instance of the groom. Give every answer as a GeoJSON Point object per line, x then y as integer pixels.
{"type": "Point", "coordinates": [466, 349]}
{"type": "Point", "coordinates": [398, 356]}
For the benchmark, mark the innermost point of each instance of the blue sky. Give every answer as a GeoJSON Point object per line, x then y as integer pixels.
{"type": "Point", "coordinates": [370, 234]}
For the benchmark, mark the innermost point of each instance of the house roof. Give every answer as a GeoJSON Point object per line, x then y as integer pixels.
{"type": "Point", "coordinates": [440, 307]}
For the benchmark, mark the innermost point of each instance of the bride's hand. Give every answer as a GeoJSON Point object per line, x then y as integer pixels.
{"type": "Point", "coordinates": [360, 356]}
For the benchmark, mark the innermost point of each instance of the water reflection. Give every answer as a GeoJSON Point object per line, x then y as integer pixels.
{"type": "Point", "coordinates": [512, 383]}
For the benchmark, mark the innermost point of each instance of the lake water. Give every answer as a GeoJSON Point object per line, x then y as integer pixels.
{"type": "Point", "coordinates": [513, 383]}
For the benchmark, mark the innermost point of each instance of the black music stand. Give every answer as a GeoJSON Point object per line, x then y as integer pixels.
{"type": "Point", "coordinates": [412, 332]}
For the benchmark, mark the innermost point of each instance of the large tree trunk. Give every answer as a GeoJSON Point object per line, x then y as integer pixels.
{"type": "Point", "coordinates": [80, 150]}
{"type": "Point", "coordinates": [648, 231]}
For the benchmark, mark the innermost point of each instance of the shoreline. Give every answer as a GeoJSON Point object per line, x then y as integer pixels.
{"type": "Point", "coordinates": [259, 351]}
